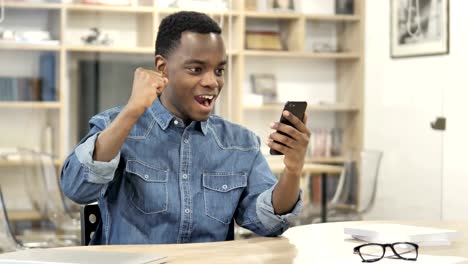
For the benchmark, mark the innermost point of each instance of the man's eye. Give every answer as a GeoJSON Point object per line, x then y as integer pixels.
{"type": "Point", "coordinates": [220, 72]}
{"type": "Point", "coordinates": [194, 69]}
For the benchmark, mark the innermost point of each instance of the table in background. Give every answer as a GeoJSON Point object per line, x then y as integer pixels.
{"type": "Point", "coordinates": [309, 169]}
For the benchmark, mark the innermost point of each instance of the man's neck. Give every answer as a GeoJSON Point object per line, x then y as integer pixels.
{"type": "Point", "coordinates": [165, 103]}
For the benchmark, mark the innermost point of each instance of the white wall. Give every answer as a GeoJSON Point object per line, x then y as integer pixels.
{"type": "Point", "coordinates": [422, 170]}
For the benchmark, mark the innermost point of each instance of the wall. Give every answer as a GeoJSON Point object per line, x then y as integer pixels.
{"type": "Point", "coordinates": [422, 174]}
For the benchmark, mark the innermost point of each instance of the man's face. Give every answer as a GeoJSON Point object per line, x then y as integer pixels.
{"type": "Point", "coordinates": [195, 70]}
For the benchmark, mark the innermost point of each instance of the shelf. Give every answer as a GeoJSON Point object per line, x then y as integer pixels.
{"type": "Point", "coordinates": [302, 55]}
{"type": "Point", "coordinates": [272, 15]}
{"type": "Point", "coordinates": [32, 47]}
{"type": "Point", "coordinates": [17, 163]}
{"type": "Point", "coordinates": [32, 5]}
{"type": "Point", "coordinates": [310, 108]}
{"type": "Point", "coordinates": [108, 8]}
{"type": "Point", "coordinates": [167, 11]}
{"type": "Point", "coordinates": [333, 18]}
{"type": "Point", "coordinates": [35, 105]}
{"type": "Point", "coordinates": [107, 49]}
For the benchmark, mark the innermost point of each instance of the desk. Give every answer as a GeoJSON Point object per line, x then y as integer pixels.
{"type": "Point", "coordinates": [303, 244]}
{"type": "Point", "coordinates": [277, 166]}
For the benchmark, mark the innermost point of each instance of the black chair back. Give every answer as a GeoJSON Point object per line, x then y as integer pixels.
{"type": "Point", "coordinates": [90, 219]}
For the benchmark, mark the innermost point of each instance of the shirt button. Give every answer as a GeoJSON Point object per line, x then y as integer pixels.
{"type": "Point", "coordinates": [186, 141]}
{"type": "Point", "coordinates": [184, 176]}
{"type": "Point", "coordinates": [224, 187]}
{"type": "Point", "coordinates": [176, 122]}
{"type": "Point", "coordinates": [146, 176]}
{"type": "Point", "coordinates": [187, 211]}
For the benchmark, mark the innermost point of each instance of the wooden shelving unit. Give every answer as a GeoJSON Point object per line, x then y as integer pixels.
{"type": "Point", "coordinates": [349, 64]}
{"type": "Point", "coordinates": [30, 105]}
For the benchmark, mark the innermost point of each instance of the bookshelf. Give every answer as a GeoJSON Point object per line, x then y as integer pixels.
{"type": "Point", "coordinates": [140, 23]}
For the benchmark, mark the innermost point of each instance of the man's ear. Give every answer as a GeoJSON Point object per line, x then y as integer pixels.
{"type": "Point", "coordinates": [160, 63]}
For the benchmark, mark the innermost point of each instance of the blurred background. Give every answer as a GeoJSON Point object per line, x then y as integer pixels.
{"type": "Point", "coordinates": [383, 81]}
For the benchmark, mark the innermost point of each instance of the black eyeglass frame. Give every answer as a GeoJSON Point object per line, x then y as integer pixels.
{"type": "Point", "coordinates": [357, 249]}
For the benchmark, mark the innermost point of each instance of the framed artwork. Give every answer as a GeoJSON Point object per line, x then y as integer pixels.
{"type": "Point", "coordinates": [265, 85]}
{"type": "Point", "coordinates": [419, 28]}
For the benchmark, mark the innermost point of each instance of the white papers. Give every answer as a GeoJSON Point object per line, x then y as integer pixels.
{"type": "Point", "coordinates": [391, 233]}
{"type": "Point", "coordinates": [422, 259]}
{"type": "Point", "coordinates": [78, 256]}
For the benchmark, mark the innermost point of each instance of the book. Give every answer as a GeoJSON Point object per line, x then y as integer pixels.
{"type": "Point", "coordinates": [391, 233]}
{"type": "Point", "coordinates": [47, 75]}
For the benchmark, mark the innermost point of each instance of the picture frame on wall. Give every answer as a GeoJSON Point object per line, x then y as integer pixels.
{"type": "Point", "coordinates": [264, 84]}
{"type": "Point", "coordinates": [419, 28]}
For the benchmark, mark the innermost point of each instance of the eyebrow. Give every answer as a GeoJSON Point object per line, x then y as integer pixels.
{"type": "Point", "coordinates": [195, 61]}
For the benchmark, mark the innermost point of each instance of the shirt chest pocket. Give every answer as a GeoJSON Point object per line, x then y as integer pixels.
{"type": "Point", "coordinates": [148, 187]}
{"type": "Point", "coordinates": [222, 192]}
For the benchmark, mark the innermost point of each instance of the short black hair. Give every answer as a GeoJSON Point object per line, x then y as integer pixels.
{"type": "Point", "coordinates": [172, 26]}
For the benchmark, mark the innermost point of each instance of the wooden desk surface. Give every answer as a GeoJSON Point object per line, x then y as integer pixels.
{"type": "Point", "coordinates": [316, 243]}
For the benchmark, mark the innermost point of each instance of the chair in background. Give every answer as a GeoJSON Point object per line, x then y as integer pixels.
{"type": "Point", "coordinates": [90, 220]}
{"type": "Point", "coordinates": [311, 212]}
{"type": "Point", "coordinates": [46, 197]}
{"type": "Point", "coordinates": [368, 165]}
{"type": "Point", "coordinates": [8, 240]}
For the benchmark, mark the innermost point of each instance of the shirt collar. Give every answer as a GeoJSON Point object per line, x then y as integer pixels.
{"type": "Point", "coordinates": [163, 117]}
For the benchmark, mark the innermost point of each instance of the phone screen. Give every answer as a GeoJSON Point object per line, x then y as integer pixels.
{"type": "Point", "coordinates": [298, 109]}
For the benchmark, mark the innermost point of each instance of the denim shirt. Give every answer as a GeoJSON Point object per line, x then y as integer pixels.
{"type": "Point", "coordinates": [172, 183]}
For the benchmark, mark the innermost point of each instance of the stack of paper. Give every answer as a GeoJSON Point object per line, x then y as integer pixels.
{"type": "Point", "coordinates": [391, 233]}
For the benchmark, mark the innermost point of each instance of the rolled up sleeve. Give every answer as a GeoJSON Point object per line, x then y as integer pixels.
{"type": "Point", "coordinates": [99, 172]}
{"type": "Point", "coordinates": [266, 212]}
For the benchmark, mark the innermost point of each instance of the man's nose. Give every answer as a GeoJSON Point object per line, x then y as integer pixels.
{"type": "Point", "coordinates": [209, 80]}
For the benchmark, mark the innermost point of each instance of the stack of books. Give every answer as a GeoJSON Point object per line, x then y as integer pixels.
{"type": "Point", "coordinates": [392, 233]}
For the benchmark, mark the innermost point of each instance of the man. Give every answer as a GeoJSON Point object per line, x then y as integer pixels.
{"type": "Point", "coordinates": [164, 171]}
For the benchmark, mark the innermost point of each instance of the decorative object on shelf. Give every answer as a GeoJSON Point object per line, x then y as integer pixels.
{"type": "Point", "coordinates": [27, 37]}
{"type": "Point", "coordinates": [281, 5]}
{"type": "Point", "coordinates": [251, 5]}
{"type": "Point", "coordinates": [344, 7]}
{"type": "Point", "coordinates": [265, 85]}
{"type": "Point", "coordinates": [109, 2]}
{"type": "Point", "coordinates": [205, 5]}
{"type": "Point", "coordinates": [265, 40]}
{"type": "Point", "coordinates": [96, 38]}
{"type": "Point", "coordinates": [323, 47]}
{"type": "Point", "coordinates": [419, 27]}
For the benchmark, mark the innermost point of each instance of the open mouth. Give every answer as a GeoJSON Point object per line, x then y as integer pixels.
{"type": "Point", "coordinates": [205, 100]}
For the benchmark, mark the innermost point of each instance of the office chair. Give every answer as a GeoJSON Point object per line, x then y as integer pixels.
{"type": "Point", "coordinates": [369, 167]}
{"type": "Point", "coordinates": [90, 219]}
{"type": "Point", "coordinates": [8, 241]}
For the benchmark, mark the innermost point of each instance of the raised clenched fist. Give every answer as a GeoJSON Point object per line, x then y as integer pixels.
{"type": "Point", "coordinates": [147, 86]}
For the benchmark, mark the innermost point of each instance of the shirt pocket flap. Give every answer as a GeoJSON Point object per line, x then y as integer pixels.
{"type": "Point", "coordinates": [146, 172]}
{"type": "Point", "coordinates": [224, 182]}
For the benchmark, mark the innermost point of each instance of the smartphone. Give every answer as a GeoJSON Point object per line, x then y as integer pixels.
{"type": "Point", "coordinates": [296, 108]}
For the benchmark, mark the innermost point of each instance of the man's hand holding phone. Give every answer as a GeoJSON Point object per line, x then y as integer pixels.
{"type": "Point", "coordinates": [291, 138]}
{"type": "Point", "coordinates": [147, 86]}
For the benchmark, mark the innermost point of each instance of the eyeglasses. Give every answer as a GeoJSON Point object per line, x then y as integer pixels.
{"type": "Point", "coordinates": [373, 252]}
